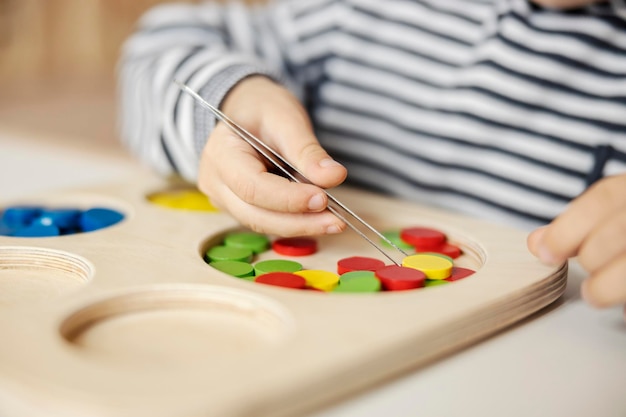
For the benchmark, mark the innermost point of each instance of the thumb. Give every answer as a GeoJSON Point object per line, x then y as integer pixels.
{"type": "Point", "coordinates": [281, 122]}
{"type": "Point", "coordinates": [295, 141]}
{"type": "Point", "coordinates": [315, 163]}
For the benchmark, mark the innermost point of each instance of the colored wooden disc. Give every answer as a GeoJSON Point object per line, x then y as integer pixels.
{"type": "Point", "coordinates": [37, 230]}
{"type": "Point", "coordinates": [447, 249]}
{"type": "Point", "coordinates": [398, 278]}
{"type": "Point", "coordinates": [162, 199]}
{"type": "Point", "coordinates": [256, 242]}
{"type": "Point", "coordinates": [43, 221]}
{"type": "Point", "coordinates": [295, 246]}
{"type": "Point", "coordinates": [435, 282]}
{"type": "Point", "coordinates": [99, 218]}
{"type": "Point", "coordinates": [435, 267]}
{"type": "Point", "coordinates": [358, 282]}
{"type": "Point", "coordinates": [225, 253]}
{"type": "Point", "coordinates": [459, 273]}
{"type": "Point", "coordinates": [449, 258]}
{"type": "Point", "coordinates": [276, 265]}
{"type": "Point", "coordinates": [19, 216]}
{"type": "Point", "coordinates": [394, 237]}
{"type": "Point", "coordinates": [358, 263]}
{"type": "Point", "coordinates": [35, 221]}
{"type": "Point", "coordinates": [423, 238]}
{"type": "Point", "coordinates": [5, 229]}
{"type": "Point", "coordinates": [321, 280]}
{"type": "Point", "coordinates": [63, 218]}
{"type": "Point", "coordinates": [195, 200]}
{"type": "Point", "coordinates": [183, 200]}
{"type": "Point", "coordinates": [282, 279]}
{"type": "Point", "coordinates": [235, 268]}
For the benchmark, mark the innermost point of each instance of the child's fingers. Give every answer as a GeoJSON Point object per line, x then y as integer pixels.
{"type": "Point", "coordinates": [604, 244]}
{"type": "Point", "coordinates": [603, 255]}
{"type": "Point", "coordinates": [273, 114]}
{"type": "Point", "coordinates": [607, 286]}
{"type": "Point", "coordinates": [593, 227]}
{"type": "Point", "coordinates": [284, 224]}
{"type": "Point", "coordinates": [263, 220]}
{"type": "Point", "coordinates": [564, 236]}
{"type": "Point", "coordinates": [245, 173]}
{"type": "Point", "coordinates": [318, 166]}
{"type": "Point", "coordinates": [272, 192]}
{"type": "Point", "coordinates": [534, 240]}
{"type": "Point", "coordinates": [295, 141]}
{"type": "Point", "coordinates": [237, 178]}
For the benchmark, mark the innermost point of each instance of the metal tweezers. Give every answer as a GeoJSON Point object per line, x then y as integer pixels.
{"type": "Point", "coordinates": [361, 227]}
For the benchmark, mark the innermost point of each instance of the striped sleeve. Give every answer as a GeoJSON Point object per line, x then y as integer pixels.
{"type": "Point", "coordinates": [210, 47]}
{"type": "Point", "coordinates": [496, 108]}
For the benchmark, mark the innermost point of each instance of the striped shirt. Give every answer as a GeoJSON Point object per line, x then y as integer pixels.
{"type": "Point", "coordinates": [496, 108]}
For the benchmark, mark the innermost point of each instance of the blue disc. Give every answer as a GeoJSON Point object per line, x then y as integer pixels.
{"type": "Point", "coordinates": [63, 218]}
{"type": "Point", "coordinates": [5, 229]}
{"type": "Point", "coordinates": [37, 231]}
{"type": "Point", "coordinates": [19, 216]}
{"type": "Point", "coordinates": [98, 218]}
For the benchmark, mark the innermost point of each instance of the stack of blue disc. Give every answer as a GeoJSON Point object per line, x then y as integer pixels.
{"type": "Point", "coordinates": [98, 218]}
{"type": "Point", "coordinates": [36, 221]}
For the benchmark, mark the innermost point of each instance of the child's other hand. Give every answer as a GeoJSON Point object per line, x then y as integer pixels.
{"type": "Point", "coordinates": [593, 227]}
{"type": "Point", "coordinates": [563, 4]}
{"type": "Point", "coordinates": [236, 178]}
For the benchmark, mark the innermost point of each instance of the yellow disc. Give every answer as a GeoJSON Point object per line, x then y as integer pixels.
{"type": "Point", "coordinates": [183, 200]}
{"type": "Point", "coordinates": [435, 267]}
{"type": "Point", "coordinates": [164, 200]}
{"type": "Point", "coordinates": [321, 280]}
{"type": "Point", "coordinates": [195, 200]}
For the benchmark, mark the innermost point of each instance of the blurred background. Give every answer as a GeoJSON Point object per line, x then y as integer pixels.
{"type": "Point", "coordinates": [57, 66]}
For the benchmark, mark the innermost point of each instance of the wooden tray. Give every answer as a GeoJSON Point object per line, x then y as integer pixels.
{"type": "Point", "coordinates": [130, 320]}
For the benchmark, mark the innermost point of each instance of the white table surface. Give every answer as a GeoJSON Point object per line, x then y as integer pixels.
{"type": "Point", "coordinates": [568, 360]}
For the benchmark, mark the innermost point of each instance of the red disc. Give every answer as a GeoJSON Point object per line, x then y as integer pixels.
{"type": "Point", "coordinates": [397, 278]}
{"type": "Point", "coordinates": [358, 263]}
{"type": "Point", "coordinates": [295, 246]}
{"type": "Point", "coordinates": [448, 249]}
{"type": "Point", "coordinates": [459, 273]}
{"type": "Point", "coordinates": [282, 279]}
{"type": "Point", "coordinates": [424, 239]}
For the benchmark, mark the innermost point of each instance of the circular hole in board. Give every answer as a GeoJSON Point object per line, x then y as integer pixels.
{"type": "Point", "coordinates": [332, 248]}
{"type": "Point", "coordinates": [178, 325]}
{"type": "Point", "coordinates": [33, 274]}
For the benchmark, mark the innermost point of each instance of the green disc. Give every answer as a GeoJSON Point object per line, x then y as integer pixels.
{"type": "Point", "coordinates": [358, 281]}
{"type": "Point", "coordinates": [256, 242]}
{"type": "Point", "coordinates": [435, 282]}
{"type": "Point", "coordinates": [394, 237]}
{"type": "Point", "coordinates": [276, 265]}
{"type": "Point", "coordinates": [235, 268]}
{"type": "Point", "coordinates": [226, 253]}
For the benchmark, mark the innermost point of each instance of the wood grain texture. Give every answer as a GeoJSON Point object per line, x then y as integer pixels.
{"type": "Point", "coordinates": [152, 330]}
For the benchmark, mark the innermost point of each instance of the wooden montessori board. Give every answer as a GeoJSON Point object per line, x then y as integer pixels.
{"type": "Point", "coordinates": [130, 320]}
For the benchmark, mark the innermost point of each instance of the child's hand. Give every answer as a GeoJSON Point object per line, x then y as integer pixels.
{"type": "Point", "coordinates": [593, 227]}
{"type": "Point", "coordinates": [236, 178]}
